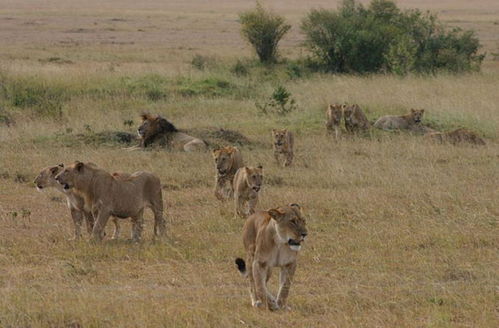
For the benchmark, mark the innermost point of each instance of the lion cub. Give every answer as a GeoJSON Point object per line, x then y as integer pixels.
{"type": "Point", "coordinates": [334, 114]}
{"type": "Point", "coordinates": [246, 185]}
{"type": "Point", "coordinates": [391, 122]}
{"type": "Point", "coordinates": [355, 119]}
{"type": "Point", "coordinates": [227, 161]}
{"type": "Point", "coordinates": [283, 146]}
{"type": "Point", "coordinates": [272, 239]}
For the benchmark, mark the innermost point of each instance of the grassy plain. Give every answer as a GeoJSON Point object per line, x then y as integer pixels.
{"type": "Point", "coordinates": [402, 233]}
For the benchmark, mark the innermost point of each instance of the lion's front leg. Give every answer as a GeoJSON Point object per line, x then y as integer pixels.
{"type": "Point", "coordinates": [285, 279]}
{"type": "Point", "coordinates": [239, 205]}
{"type": "Point", "coordinates": [77, 217]}
{"type": "Point", "coordinates": [252, 204]}
{"type": "Point", "coordinates": [89, 220]}
{"type": "Point", "coordinates": [262, 295]}
{"type": "Point", "coordinates": [219, 184]}
{"type": "Point", "coordinates": [289, 159]}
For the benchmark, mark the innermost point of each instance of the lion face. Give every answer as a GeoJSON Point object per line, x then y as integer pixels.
{"type": "Point", "coordinates": [417, 115]}
{"type": "Point", "coordinates": [254, 177]}
{"type": "Point", "coordinates": [223, 159]}
{"type": "Point", "coordinates": [291, 225]}
{"type": "Point", "coordinates": [46, 178]}
{"type": "Point", "coordinates": [335, 113]}
{"type": "Point", "coordinates": [153, 125]}
{"type": "Point", "coordinates": [70, 176]}
{"type": "Point", "coordinates": [279, 137]}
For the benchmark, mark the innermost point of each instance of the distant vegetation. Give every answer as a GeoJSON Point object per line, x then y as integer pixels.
{"type": "Point", "coordinates": [263, 29]}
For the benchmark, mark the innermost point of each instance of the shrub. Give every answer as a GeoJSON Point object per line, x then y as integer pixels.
{"type": "Point", "coordinates": [35, 94]}
{"type": "Point", "coordinates": [382, 37]}
{"type": "Point", "coordinates": [280, 102]}
{"type": "Point", "coordinates": [263, 30]}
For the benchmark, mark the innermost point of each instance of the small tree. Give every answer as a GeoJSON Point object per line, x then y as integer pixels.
{"type": "Point", "coordinates": [263, 29]}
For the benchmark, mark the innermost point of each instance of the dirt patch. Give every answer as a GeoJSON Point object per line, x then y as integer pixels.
{"type": "Point", "coordinates": [218, 137]}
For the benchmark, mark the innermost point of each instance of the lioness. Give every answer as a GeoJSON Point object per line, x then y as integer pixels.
{"type": "Point", "coordinates": [283, 146]}
{"type": "Point", "coordinates": [156, 128]}
{"type": "Point", "coordinates": [390, 122]}
{"type": "Point", "coordinates": [458, 136]}
{"type": "Point", "coordinates": [247, 183]}
{"type": "Point", "coordinates": [272, 239]}
{"type": "Point", "coordinates": [46, 179]}
{"type": "Point", "coordinates": [334, 114]}
{"type": "Point", "coordinates": [355, 119]}
{"type": "Point", "coordinates": [105, 195]}
{"type": "Point", "coordinates": [227, 161]}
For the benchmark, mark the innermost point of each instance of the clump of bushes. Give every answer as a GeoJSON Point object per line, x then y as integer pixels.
{"type": "Point", "coordinates": [263, 29]}
{"type": "Point", "coordinates": [280, 102]}
{"type": "Point", "coordinates": [383, 38]}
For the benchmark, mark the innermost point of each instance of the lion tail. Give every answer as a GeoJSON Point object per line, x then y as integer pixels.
{"type": "Point", "coordinates": [241, 266]}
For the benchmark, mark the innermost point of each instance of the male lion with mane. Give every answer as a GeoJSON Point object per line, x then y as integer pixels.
{"type": "Point", "coordinates": [227, 161]}
{"type": "Point", "coordinates": [155, 128]}
{"type": "Point", "coordinates": [105, 195]}
{"type": "Point", "coordinates": [272, 239]}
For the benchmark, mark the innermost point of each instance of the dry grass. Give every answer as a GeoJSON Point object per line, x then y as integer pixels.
{"type": "Point", "coordinates": [402, 233]}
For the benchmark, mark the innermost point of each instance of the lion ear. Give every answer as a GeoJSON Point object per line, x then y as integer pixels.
{"type": "Point", "coordinates": [79, 166]}
{"type": "Point", "coordinates": [422, 111]}
{"type": "Point", "coordinates": [276, 213]}
{"type": "Point", "coordinates": [413, 110]}
{"type": "Point", "coordinates": [61, 164]}
{"type": "Point", "coordinates": [145, 116]}
{"type": "Point", "coordinates": [260, 167]}
{"type": "Point", "coordinates": [54, 170]}
{"type": "Point", "coordinates": [295, 205]}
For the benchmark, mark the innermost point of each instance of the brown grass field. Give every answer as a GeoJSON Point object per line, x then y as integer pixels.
{"type": "Point", "coordinates": [402, 232]}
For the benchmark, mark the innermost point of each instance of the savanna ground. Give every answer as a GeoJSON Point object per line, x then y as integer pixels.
{"type": "Point", "coordinates": [402, 233]}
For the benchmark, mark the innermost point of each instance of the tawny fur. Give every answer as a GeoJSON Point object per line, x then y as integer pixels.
{"type": "Point", "coordinates": [456, 137]}
{"type": "Point", "coordinates": [334, 114]}
{"type": "Point", "coordinates": [105, 195]}
{"type": "Point", "coordinates": [46, 179]}
{"type": "Point", "coordinates": [355, 119]}
{"type": "Point", "coordinates": [227, 161]}
{"type": "Point", "coordinates": [283, 144]}
{"type": "Point", "coordinates": [156, 129]}
{"type": "Point", "coordinates": [272, 239]}
{"type": "Point", "coordinates": [393, 122]}
{"type": "Point", "coordinates": [247, 184]}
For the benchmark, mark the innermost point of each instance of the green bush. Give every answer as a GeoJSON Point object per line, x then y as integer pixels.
{"type": "Point", "coordinates": [383, 38]}
{"type": "Point", "coordinates": [211, 87]}
{"type": "Point", "coordinates": [280, 102]}
{"type": "Point", "coordinates": [263, 30]}
{"type": "Point", "coordinates": [151, 86]}
{"type": "Point", "coordinates": [35, 94]}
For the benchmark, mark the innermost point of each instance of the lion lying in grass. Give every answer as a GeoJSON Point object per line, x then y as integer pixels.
{"type": "Point", "coordinates": [458, 136]}
{"type": "Point", "coordinates": [394, 122]}
{"type": "Point", "coordinates": [155, 128]}
{"type": "Point", "coordinates": [105, 195]}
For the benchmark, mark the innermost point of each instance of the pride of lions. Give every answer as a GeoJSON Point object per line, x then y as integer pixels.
{"type": "Point", "coordinates": [271, 238]}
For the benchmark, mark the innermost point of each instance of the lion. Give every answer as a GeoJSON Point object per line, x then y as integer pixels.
{"type": "Point", "coordinates": [227, 161]}
{"type": "Point", "coordinates": [334, 114]}
{"type": "Point", "coordinates": [355, 119]}
{"type": "Point", "coordinates": [105, 195]}
{"type": "Point", "coordinates": [283, 146]}
{"type": "Point", "coordinates": [155, 128]}
{"type": "Point", "coordinates": [391, 122]}
{"type": "Point", "coordinates": [272, 239]}
{"type": "Point", "coordinates": [46, 179]}
{"type": "Point", "coordinates": [246, 185]}
{"type": "Point", "coordinates": [458, 136]}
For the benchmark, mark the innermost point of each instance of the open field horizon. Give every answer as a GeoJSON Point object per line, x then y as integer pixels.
{"type": "Point", "coordinates": [402, 232]}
